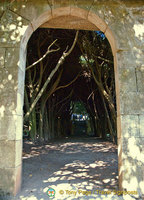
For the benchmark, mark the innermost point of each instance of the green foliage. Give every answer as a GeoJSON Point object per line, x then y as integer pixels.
{"type": "Point", "coordinates": [78, 108]}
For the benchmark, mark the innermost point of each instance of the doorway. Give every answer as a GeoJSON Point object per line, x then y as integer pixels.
{"type": "Point", "coordinates": [74, 105]}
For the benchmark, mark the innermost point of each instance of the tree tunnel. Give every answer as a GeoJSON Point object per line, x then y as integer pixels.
{"type": "Point", "coordinates": [84, 84]}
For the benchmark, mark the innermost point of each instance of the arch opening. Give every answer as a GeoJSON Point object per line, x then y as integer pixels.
{"type": "Point", "coordinates": [86, 75]}
{"type": "Point", "coordinates": [80, 26]}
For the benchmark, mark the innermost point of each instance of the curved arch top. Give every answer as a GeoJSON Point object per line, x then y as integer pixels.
{"type": "Point", "coordinates": [127, 48]}
{"type": "Point", "coordinates": [70, 18]}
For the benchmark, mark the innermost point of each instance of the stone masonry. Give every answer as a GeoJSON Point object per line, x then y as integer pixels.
{"type": "Point", "coordinates": [122, 21]}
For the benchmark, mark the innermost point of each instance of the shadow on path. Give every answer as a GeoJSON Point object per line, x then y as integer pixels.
{"type": "Point", "coordinates": [71, 164]}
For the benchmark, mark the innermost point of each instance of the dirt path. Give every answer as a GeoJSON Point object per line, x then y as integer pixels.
{"type": "Point", "coordinates": [69, 166]}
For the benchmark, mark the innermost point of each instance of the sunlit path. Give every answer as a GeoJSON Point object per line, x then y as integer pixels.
{"type": "Point", "coordinates": [74, 164]}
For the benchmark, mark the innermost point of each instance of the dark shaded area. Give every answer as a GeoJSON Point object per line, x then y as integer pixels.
{"type": "Point", "coordinates": [87, 76]}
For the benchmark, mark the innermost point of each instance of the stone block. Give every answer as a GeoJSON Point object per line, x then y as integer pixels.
{"type": "Point", "coordinates": [19, 128]}
{"type": "Point", "coordinates": [18, 156]}
{"type": "Point", "coordinates": [115, 15]}
{"type": "Point", "coordinates": [140, 78]}
{"type": "Point", "coordinates": [11, 127]}
{"type": "Point", "coordinates": [8, 89]}
{"type": "Point", "coordinates": [110, 36]}
{"type": "Point", "coordinates": [2, 57]}
{"type": "Point", "coordinates": [132, 151]}
{"type": "Point", "coordinates": [141, 125]}
{"type": "Point", "coordinates": [133, 179]}
{"type": "Point", "coordinates": [84, 4]}
{"type": "Point", "coordinates": [10, 180]}
{"type": "Point", "coordinates": [121, 34]}
{"type": "Point", "coordinates": [60, 12]}
{"type": "Point", "coordinates": [23, 45]}
{"type": "Point", "coordinates": [132, 176]}
{"type": "Point", "coordinates": [134, 22]}
{"type": "Point", "coordinates": [20, 102]}
{"type": "Point", "coordinates": [12, 28]}
{"type": "Point", "coordinates": [138, 55]}
{"type": "Point", "coordinates": [140, 143]}
{"type": "Point", "coordinates": [12, 90]}
{"type": "Point", "coordinates": [119, 141]}
{"type": "Point", "coordinates": [23, 52]}
{"type": "Point", "coordinates": [137, 11]}
{"type": "Point", "coordinates": [131, 168]}
{"type": "Point", "coordinates": [42, 19]}
{"type": "Point", "coordinates": [30, 10]}
{"type": "Point", "coordinates": [71, 3]}
{"type": "Point", "coordinates": [69, 21]}
{"type": "Point", "coordinates": [81, 13]}
{"type": "Point", "coordinates": [119, 127]}
{"type": "Point", "coordinates": [128, 161]}
{"type": "Point", "coordinates": [109, 11]}
{"type": "Point", "coordinates": [8, 103]}
{"type": "Point", "coordinates": [60, 3]}
{"type": "Point", "coordinates": [138, 35]}
{"type": "Point", "coordinates": [10, 153]}
{"type": "Point", "coordinates": [133, 28]}
{"type": "Point", "coordinates": [126, 59]}
{"type": "Point", "coordinates": [21, 80]}
{"type": "Point", "coordinates": [127, 80]}
{"type": "Point", "coordinates": [132, 103]}
{"type": "Point", "coordinates": [130, 126]}
{"type": "Point", "coordinates": [12, 57]}
{"type": "Point", "coordinates": [96, 20]}
{"type": "Point", "coordinates": [9, 77]}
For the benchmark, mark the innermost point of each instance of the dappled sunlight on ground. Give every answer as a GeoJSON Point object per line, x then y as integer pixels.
{"type": "Point", "coordinates": [67, 146]}
{"type": "Point", "coordinates": [76, 166]}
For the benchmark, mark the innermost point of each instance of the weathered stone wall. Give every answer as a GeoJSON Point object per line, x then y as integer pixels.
{"type": "Point", "coordinates": [123, 23]}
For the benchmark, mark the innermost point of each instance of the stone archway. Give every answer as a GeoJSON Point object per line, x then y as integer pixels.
{"type": "Point", "coordinates": [129, 115]}
{"type": "Point", "coordinates": [69, 18]}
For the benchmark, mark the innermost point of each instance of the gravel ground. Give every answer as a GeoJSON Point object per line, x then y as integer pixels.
{"type": "Point", "coordinates": [76, 168]}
